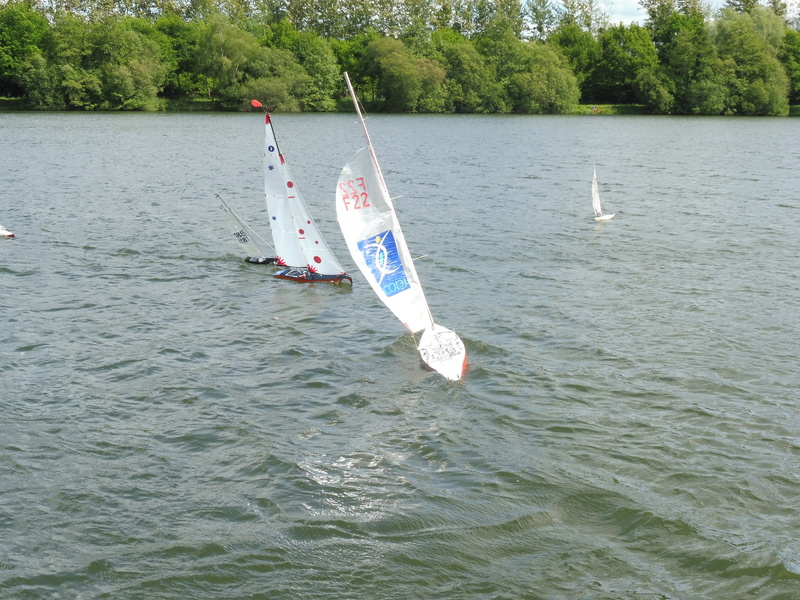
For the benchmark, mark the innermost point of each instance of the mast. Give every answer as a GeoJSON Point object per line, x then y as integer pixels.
{"type": "Point", "coordinates": [366, 133]}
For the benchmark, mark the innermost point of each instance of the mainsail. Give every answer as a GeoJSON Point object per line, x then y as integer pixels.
{"type": "Point", "coordinates": [596, 205]}
{"type": "Point", "coordinates": [598, 209]}
{"type": "Point", "coordinates": [298, 241]}
{"type": "Point", "coordinates": [376, 242]}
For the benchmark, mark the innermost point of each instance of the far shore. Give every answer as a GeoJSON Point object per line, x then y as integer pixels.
{"type": "Point", "coordinates": [203, 105]}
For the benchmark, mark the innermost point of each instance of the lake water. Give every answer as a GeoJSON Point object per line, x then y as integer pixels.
{"type": "Point", "coordinates": [178, 424]}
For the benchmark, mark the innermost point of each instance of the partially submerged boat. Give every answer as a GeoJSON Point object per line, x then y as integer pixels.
{"type": "Point", "coordinates": [247, 237]}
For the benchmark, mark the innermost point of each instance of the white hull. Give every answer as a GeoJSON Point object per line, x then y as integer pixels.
{"type": "Point", "coordinates": [6, 233]}
{"type": "Point", "coordinates": [443, 351]}
{"type": "Point", "coordinates": [604, 217]}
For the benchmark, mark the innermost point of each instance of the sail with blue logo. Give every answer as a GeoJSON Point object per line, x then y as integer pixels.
{"type": "Point", "coordinates": [376, 243]}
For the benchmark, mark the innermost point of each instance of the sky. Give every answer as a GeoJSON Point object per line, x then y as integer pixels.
{"type": "Point", "coordinates": [628, 11]}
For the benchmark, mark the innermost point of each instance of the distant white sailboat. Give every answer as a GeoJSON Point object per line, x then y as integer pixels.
{"type": "Point", "coordinates": [373, 235]}
{"type": "Point", "coordinates": [5, 232]}
{"type": "Point", "coordinates": [596, 205]}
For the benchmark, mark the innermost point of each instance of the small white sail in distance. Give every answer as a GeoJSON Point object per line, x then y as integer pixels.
{"type": "Point", "coordinates": [376, 242]}
{"type": "Point", "coordinates": [596, 205]}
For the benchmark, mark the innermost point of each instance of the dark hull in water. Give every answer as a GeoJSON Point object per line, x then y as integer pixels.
{"type": "Point", "coordinates": [303, 275]}
{"type": "Point", "coordinates": [260, 260]}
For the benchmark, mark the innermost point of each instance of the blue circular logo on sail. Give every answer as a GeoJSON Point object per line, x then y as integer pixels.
{"type": "Point", "coordinates": [271, 148]}
{"type": "Point", "coordinates": [380, 254]}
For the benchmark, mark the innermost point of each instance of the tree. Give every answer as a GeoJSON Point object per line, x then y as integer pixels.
{"type": "Point", "coordinates": [315, 55]}
{"type": "Point", "coordinates": [239, 68]}
{"type": "Point", "coordinates": [395, 69]}
{"type": "Point", "coordinates": [544, 84]}
{"type": "Point", "coordinates": [183, 38]}
{"type": "Point", "coordinates": [543, 18]}
{"type": "Point", "coordinates": [757, 83]}
{"type": "Point", "coordinates": [534, 77]}
{"type": "Point", "coordinates": [22, 31]}
{"type": "Point", "coordinates": [625, 51]}
{"type": "Point", "coordinates": [581, 50]}
{"type": "Point", "coordinates": [790, 58]}
{"type": "Point", "coordinates": [471, 82]}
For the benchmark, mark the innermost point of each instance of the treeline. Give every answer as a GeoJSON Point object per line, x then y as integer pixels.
{"type": "Point", "coordinates": [467, 56]}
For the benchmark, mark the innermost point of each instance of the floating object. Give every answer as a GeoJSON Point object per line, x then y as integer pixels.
{"type": "Point", "coordinates": [5, 232]}
{"type": "Point", "coordinates": [298, 242]}
{"type": "Point", "coordinates": [598, 208]}
{"type": "Point", "coordinates": [253, 243]}
{"type": "Point", "coordinates": [373, 235]}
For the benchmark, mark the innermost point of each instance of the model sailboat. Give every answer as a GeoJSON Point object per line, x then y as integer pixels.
{"type": "Point", "coordinates": [598, 208]}
{"type": "Point", "coordinates": [298, 242]}
{"type": "Point", "coordinates": [5, 232]}
{"type": "Point", "coordinates": [246, 236]}
{"type": "Point", "coordinates": [373, 235]}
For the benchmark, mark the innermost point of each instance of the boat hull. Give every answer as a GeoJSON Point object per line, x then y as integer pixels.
{"type": "Point", "coordinates": [301, 275]}
{"type": "Point", "coordinates": [260, 260]}
{"type": "Point", "coordinates": [443, 351]}
{"type": "Point", "coordinates": [602, 218]}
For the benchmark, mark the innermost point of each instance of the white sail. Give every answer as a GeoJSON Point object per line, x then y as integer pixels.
{"type": "Point", "coordinates": [596, 205]}
{"type": "Point", "coordinates": [598, 209]}
{"type": "Point", "coordinates": [298, 241]}
{"type": "Point", "coordinates": [376, 242]}
{"type": "Point", "coordinates": [245, 235]}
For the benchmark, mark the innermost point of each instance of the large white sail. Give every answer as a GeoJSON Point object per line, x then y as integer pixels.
{"type": "Point", "coordinates": [298, 241]}
{"type": "Point", "coordinates": [373, 235]}
{"type": "Point", "coordinates": [598, 210]}
{"type": "Point", "coordinates": [376, 243]}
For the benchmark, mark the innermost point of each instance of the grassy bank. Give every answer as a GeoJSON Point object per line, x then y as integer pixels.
{"type": "Point", "coordinates": [609, 109]}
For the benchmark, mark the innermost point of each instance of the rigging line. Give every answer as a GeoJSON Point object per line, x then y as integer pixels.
{"type": "Point", "coordinates": [243, 222]}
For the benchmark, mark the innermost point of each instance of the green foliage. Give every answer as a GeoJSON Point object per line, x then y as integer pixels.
{"type": "Point", "coordinates": [402, 55]}
{"type": "Point", "coordinates": [471, 85]}
{"type": "Point", "coordinates": [103, 65]}
{"type": "Point", "coordinates": [395, 68]}
{"type": "Point", "coordinates": [790, 58]}
{"type": "Point", "coordinates": [654, 91]}
{"type": "Point", "coordinates": [544, 84]}
{"type": "Point", "coordinates": [581, 50]}
{"type": "Point", "coordinates": [625, 51]}
{"type": "Point", "coordinates": [757, 83]}
{"type": "Point", "coordinates": [316, 57]}
{"type": "Point", "coordinates": [22, 31]}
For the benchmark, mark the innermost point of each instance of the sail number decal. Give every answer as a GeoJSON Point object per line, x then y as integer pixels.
{"type": "Point", "coordinates": [241, 236]}
{"type": "Point", "coordinates": [354, 194]}
{"type": "Point", "coordinates": [380, 253]}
